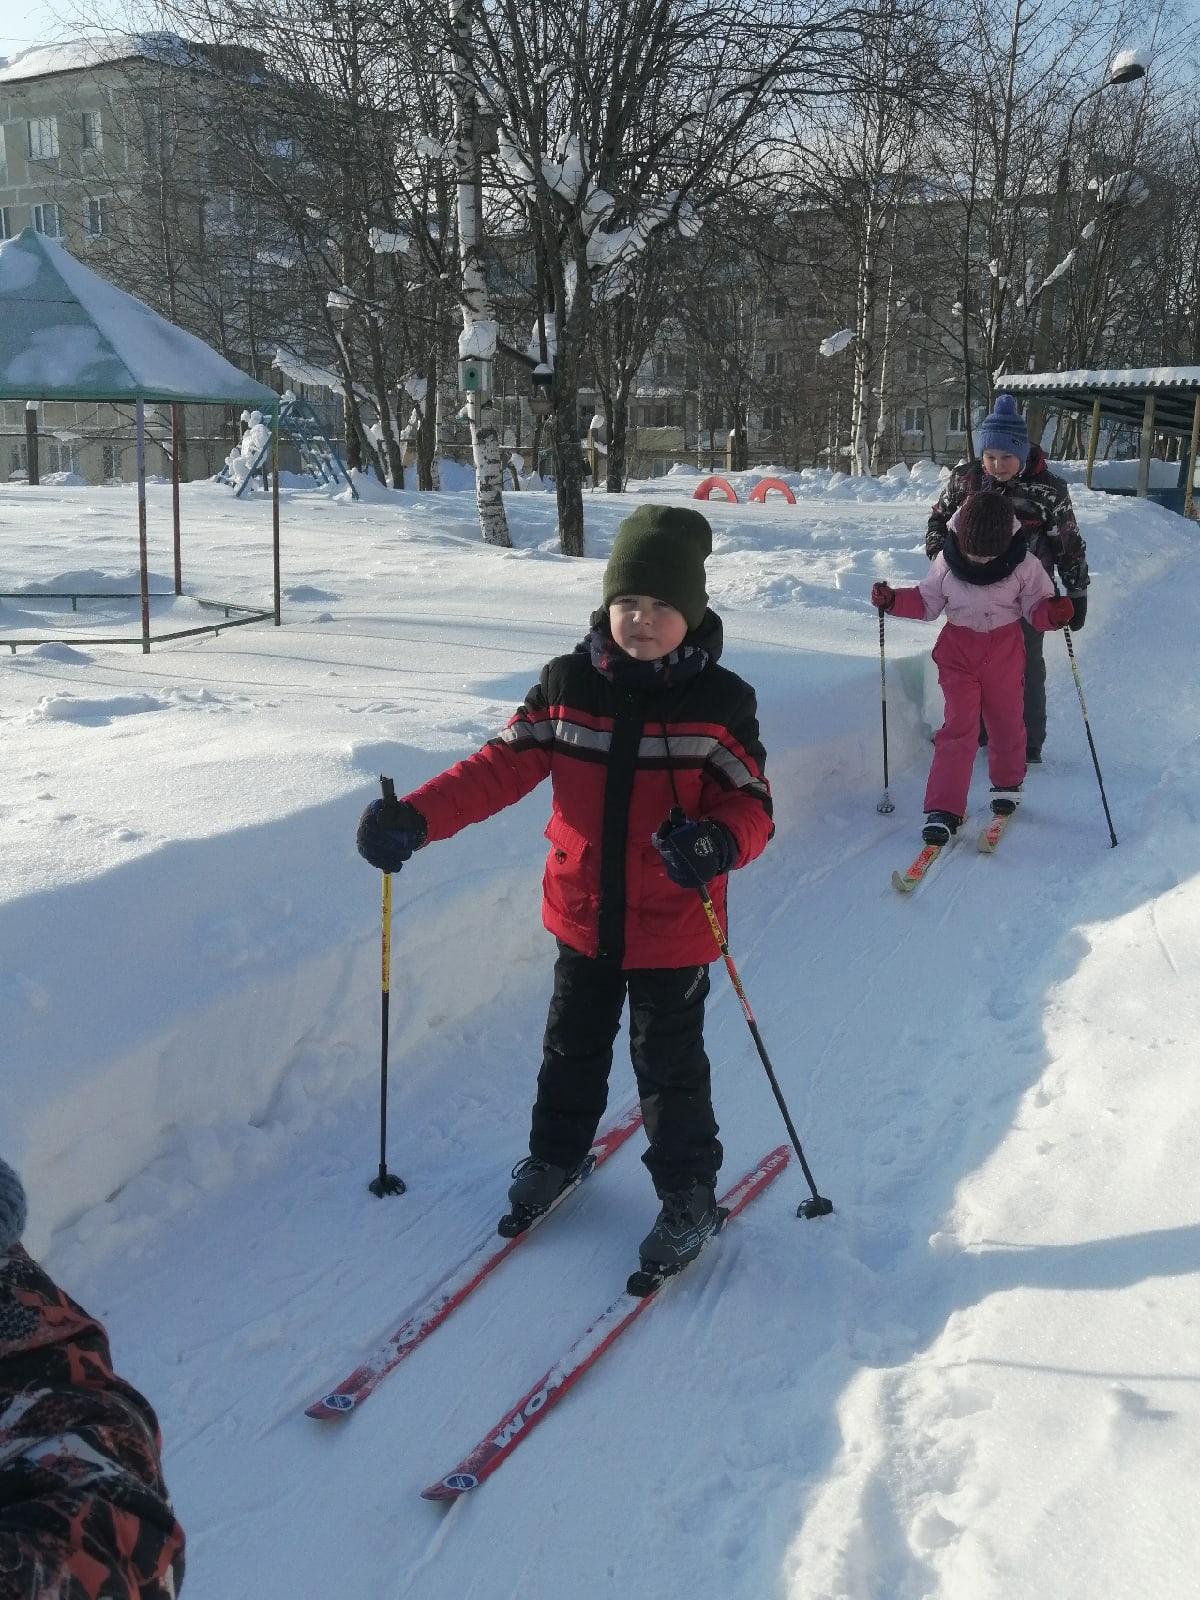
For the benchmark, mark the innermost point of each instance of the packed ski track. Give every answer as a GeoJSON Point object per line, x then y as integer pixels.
{"type": "Point", "coordinates": [975, 1379]}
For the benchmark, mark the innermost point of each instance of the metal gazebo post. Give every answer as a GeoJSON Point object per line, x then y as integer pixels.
{"type": "Point", "coordinates": [177, 435]}
{"type": "Point", "coordinates": [142, 558]}
{"type": "Point", "coordinates": [275, 509]}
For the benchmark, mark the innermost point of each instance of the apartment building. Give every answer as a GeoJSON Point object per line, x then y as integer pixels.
{"type": "Point", "coordinates": [95, 133]}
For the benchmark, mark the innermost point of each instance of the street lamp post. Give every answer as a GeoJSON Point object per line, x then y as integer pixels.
{"type": "Point", "coordinates": [1125, 68]}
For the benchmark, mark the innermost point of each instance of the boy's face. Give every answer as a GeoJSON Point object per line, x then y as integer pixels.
{"type": "Point", "coordinates": [646, 628]}
{"type": "Point", "coordinates": [999, 464]}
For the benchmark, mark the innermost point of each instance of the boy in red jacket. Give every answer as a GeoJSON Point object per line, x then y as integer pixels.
{"type": "Point", "coordinates": [658, 789]}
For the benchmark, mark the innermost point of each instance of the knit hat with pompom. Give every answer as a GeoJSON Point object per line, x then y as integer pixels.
{"type": "Point", "coordinates": [1004, 429]}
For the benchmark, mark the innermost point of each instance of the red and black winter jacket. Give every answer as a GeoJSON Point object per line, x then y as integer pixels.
{"type": "Point", "coordinates": [623, 742]}
{"type": "Point", "coordinates": [84, 1511]}
{"type": "Point", "coordinates": [1041, 502]}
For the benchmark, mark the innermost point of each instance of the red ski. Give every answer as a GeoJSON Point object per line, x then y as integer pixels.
{"type": "Point", "coordinates": [517, 1424]}
{"type": "Point", "coordinates": [454, 1289]}
{"type": "Point", "coordinates": [905, 882]}
{"type": "Point", "coordinates": [990, 837]}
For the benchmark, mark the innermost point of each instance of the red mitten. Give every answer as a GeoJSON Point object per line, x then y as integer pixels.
{"type": "Point", "coordinates": [883, 596]}
{"type": "Point", "coordinates": [1059, 610]}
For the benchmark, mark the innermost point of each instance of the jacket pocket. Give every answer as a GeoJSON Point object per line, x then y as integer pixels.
{"type": "Point", "coordinates": [567, 883]}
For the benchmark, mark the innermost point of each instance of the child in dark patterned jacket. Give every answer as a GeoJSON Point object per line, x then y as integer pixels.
{"type": "Point", "coordinates": [84, 1511]}
{"type": "Point", "coordinates": [658, 791]}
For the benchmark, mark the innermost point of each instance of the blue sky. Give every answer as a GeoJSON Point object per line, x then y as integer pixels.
{"type": "Point", "coordinates": [27, 22]}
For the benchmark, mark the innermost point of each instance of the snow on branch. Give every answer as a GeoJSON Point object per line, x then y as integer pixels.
{"type": "Point", "coordinates": [384, 243]}
{"type": "Point", "coordinates": [836, 342]}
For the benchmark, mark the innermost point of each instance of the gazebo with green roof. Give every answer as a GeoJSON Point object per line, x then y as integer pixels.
{"type": "Point", "coordinates": [68, 334]}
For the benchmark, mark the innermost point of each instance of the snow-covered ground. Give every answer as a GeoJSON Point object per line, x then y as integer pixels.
{"type": "Point", "coordinates": [975, 1380]}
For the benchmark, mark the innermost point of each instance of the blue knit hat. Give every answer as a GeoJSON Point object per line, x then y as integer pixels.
{"type": "Point", "coordinates": [1004, 429]}
{"type": "Point", "coordinates": [12, 1207]}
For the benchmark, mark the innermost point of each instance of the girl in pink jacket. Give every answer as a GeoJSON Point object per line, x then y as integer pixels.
{"type": "Point", "coordinates": [985, 581]}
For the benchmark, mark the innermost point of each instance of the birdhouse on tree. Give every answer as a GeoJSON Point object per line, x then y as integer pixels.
{"type": "Point", "coordinates": [477, 357]}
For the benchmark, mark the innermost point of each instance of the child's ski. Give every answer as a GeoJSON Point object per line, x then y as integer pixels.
{"type": "Point", "coordinates": [990, 837]}
{"type": "Point", "coordinates": [454, 1289]}
{"type": "Point", "coordinates": [519, 1422]}
{"type": "Point", "coordinates": [905, 882]}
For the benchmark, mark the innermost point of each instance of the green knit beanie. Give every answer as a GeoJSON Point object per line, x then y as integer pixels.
{"type": "Point", "coordinates": [660, 551]}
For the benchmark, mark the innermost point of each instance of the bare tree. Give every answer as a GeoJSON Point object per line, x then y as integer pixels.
{"type": "Point", "coordinates": [617, 123]}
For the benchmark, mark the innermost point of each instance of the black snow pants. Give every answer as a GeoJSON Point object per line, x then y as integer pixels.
{"type": "Point", "coordinates": [666, 1046]}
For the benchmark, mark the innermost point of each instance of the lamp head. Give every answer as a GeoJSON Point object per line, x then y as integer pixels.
{"type": "Point", "coordinates": [1126, 68]}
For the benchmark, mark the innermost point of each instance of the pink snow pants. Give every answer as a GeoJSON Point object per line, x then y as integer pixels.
{"type": "Point", "coordinates": [980, 673]}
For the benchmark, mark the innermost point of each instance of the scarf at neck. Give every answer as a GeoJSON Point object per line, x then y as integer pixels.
{"type": "Point", "coordinates": [988, 571]}
{"type": "Point", "coordinates": [666, 672]}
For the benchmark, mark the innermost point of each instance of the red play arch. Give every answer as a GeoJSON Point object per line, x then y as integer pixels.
{"type": "Point", "coordinates": [710, 486]}
{"type": "Point", "coordinates": [764, 486]}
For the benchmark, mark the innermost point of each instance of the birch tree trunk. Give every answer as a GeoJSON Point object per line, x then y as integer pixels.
{"type": "Point", "coordinates": [485, 438]}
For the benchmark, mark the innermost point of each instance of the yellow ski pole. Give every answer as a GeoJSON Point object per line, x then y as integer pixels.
{"type": "Point", "coordinates": [385, 1182]}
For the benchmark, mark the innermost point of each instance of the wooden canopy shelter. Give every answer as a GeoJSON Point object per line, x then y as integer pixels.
{"type": "Point", "coordinates": [1153, 399]}
{"type": "Point", "coordinates": [68, 334]}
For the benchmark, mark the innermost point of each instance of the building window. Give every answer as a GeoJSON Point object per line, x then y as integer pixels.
{"type": "Point", "coordinates": [5, 223]}
{"type": "Point", "coordinates": [18, 461]}
{"type": "Point", "coordinates": [772, 364]}
{"type": "Point", "coordinates": [915, 360]}
{"type": "Point", "coordinates": [956, 419]}
{"type": "Point", "coordinates": [772, 419]}
{"type": "Point", "coordinates": [92, 131]}
{"type": "Point", "coordinates": [58, 457]}
{"type": "Point", "coordinates": [110, 457]}
{"type": "Point", "coordinates": [42, 138]}
{"type": "Point", "coordinates": [914, 420]}
{"type": "Point", "coordinates": [96, 218]}
{"type": "Point", "coordinates": [48, 220]}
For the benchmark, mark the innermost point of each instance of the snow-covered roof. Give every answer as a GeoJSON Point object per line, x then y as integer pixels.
{"type": "Point", "coordinates": [68, 334]}
{"type": "Point", "coordinates": [1121, 392]}
{"type": "Point", "coordinates": [79, 55]}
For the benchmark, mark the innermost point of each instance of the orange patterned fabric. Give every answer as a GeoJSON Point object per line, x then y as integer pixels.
{"type": "Point", "coordinates": [84, 1511]}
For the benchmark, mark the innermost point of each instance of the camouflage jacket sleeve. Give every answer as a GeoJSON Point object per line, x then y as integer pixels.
{"type": "Point", "coordinates": [1061, 542]}
{"type": "Point", "coordinates": [952, 496]}
{"type": "Point", "coordinates": [84, 1511]}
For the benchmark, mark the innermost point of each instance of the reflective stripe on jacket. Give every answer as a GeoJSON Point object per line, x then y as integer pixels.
{"type": "Point", "coordinates": [619, 761]}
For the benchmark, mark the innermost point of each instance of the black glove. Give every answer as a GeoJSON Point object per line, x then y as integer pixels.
{"type": "Point", "coordinates": [1079, 601]}
{"type": "Point", "coordinates": [695, 852]}
{"type": "Point", "coordinates": [388, 833]}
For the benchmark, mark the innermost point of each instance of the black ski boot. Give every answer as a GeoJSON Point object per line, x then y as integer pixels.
{"type": "Point", "coordinates": [1005, 801]}
{"type": "Point", "coordinates": [536, 1186]}
{"type": "Point", "coordinates": [940, 827]}
{"type": "Point", "coordinates": [687, 1218]}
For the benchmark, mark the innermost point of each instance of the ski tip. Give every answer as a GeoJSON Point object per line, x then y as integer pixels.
{"type": "Point", "coordinates": [330, 1405]}
{"type": "Point", "coordinates": [451, 1487]}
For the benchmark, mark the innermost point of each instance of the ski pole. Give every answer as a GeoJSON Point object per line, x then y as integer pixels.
{"type": "Point", "coordinates": [1091, 742]}
{"type": "Point", "coordinates": [886, 805]}
{"type": "Point", "coordinates": [818, 1206]}
{"type": "Point", "coordinates": [385, 1182]}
